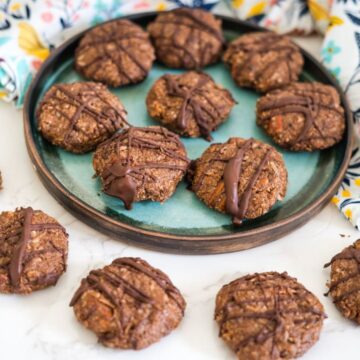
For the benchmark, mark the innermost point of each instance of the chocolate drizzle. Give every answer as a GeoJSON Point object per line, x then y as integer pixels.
{"type": "Point", "coordinates": [98, 280]}
{"type": "Point", "coordinates": [24, 235]}
{"type": "Point", "coordinates": [122, 177]}
{"type": "Point", "coordinates": [112, 34]}
{"type": "Point", "coordinates": [306, 102]}
{"type": "Point", "coordinates": [351, 253]}
{"type": "Point", "coordinates": [277, 308]}
{"type": "Point", "coordinates": [266, 43]}
{"type": "Point", "coordinates": [237, 202]}
{"type": "Point", "coordinates": [159, 277]}
{"type": "Point", "coordinates": [108, 280]}
{"type": "Point", "coordinates": [192, 103]}
{"type": "Point", "coordinates": [110, 118]}
{"type": "Point", "coordinates": [237, 206]}
{"type": "Point", "coordinates": [201, 24]}
{"type": "Point", "coordinates": [189, 59]}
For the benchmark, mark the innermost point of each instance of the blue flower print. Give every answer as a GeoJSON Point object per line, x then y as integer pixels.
{"type": "Point", "coordinates": [329, 50]}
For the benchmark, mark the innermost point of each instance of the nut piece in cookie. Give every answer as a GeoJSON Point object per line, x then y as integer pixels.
{"type": "Point", "coordinates": [263, 61]}
{"type": "Point", "coordinates": [80, 115]}
{"type": "Point", "coordinates": [344, 285]}
{"type": "Point", "coordinates": [190, 104]}
{"type": "Point", "coordinates": [243, 178]}
{"type": "Point", "coordinates": [302, 116]}
{"type": "Point", "coordinates": [33, 251]}
{"type": "Point", "coordinates": [117, 53]}
{"type": "Point", "coordinates": [187, 38]}
{"type": "Point", "coordinates": [141, 164]}
{"type": "Point", "coordinates": [268, 316]}
{"type": "Point", "coordinates": [128, 304]}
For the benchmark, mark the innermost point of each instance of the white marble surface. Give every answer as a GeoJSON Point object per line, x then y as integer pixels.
{"type": "Point", "coordinates": [42, 326]}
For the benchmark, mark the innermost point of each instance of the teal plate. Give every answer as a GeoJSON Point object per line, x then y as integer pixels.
{"type": "Point", "coordinates": [183, 223]}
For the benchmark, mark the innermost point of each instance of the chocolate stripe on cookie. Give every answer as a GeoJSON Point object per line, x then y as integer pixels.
{"type": "Point", "coordinates": [237, 206]}
{"type": "Point", "coordinates": [118, 178]}
{"type": "Point", "coordinates": [349, 254]}
{"type": "Point", "coordinates": [160, 278]}
{"type": "Point", "coordinates": [25, 232]}
{"type": "Point", "coordinates": [110, 113]}
{"type": "Point", "coordinates": [191, 29]}
{"type": "Point", "coordinates": [191, 103]}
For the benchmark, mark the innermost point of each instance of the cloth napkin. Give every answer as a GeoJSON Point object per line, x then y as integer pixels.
{"type": "Point", "coordinates": [29, 29]}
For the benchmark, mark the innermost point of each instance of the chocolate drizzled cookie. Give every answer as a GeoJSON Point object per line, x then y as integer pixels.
{"type": "Point", "coordinates": [116, 53]}
{"type": "Point", "coordinates": [243, 178]}
{"type": "Point", "coordinates": [268, 316]}
{"type": "Point", "coordinates": [302, 116]}
{"type": "Point", "coordinates": [187, 38]}
{"type": "Point", "coordinates": [80, 115]}
{"type": "Point", "coordinates": [190, 104]}
{"type": "Point", "coordinates": [344, 285]}
{"type": "Point", "coordinates": [141, 164]}
{"type": "Point", "coordinates": [128, 304]}
{"type": "Point", "coordinates": [33, 251]}
{"type": "Point", "coordinates": [263, 61]}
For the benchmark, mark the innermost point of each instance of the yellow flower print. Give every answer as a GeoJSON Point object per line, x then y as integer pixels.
{"type": "Point", "coordinates": [357, 182]}
{"type": "Point", "coordinates": [161, 7]}
{"type": "Point", "coordinates": [256, 9]}
{"type": "Point", "coordinates": [345, 193]}
{"type": "Point", "coordinates": [348, 214]}
{"type": "Point", "coordinates": [334, 21]}
{"type": "Point", "coordinates": [15, 6]}
{"type": "Point", "coordinates": [335, 200]}
{"type": "Point", "coordinates": [29, 42]}
{"type": "Point", "coordinates": [318, 11]}
{"type": "Point", "coordinates": [237, 3]}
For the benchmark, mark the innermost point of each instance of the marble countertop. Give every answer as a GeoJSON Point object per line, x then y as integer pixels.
{"type": "Point", "coordinates": [43, 326]}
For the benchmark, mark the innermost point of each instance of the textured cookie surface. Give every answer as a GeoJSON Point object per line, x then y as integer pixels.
{"type": "Point", "coordinates": [79, 116]}
{"type": "Point", "coordinates": [243, 178]}
{"type": "Point", "coordinates": [268, 316]}
{"type": "Point", "coordinates": [117, 53]}
{"type": "Point", "coordinates": [302, 116]}
{"type": "Point", "coordinates": [141, 164]}
{"type": "Point", "coordinates": [33, 251]}
{"type": "Point", "coordinates": [263, 61]}
{"type": "Point", "coordinates": [128, 304]}
{"type": "Point", "coordinates": [190, 104]}
{"type": "Point", "coordinates": [187, 38]}
{"type": "Point", "coordinates": [344, 285]}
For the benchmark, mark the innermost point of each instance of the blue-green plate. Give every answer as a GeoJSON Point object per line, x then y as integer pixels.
{"type": "Point", "coordinates": [183, 223]}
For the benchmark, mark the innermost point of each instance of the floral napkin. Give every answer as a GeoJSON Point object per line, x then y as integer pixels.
{"type": "Point", "coordinates": [29, 29]}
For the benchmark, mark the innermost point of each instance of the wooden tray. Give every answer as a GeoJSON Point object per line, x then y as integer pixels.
{"type": "Point", "coordinates": [183, 224]}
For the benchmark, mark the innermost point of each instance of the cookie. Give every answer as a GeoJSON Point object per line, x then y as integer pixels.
{"type": "Point", "coordinates": [128, 304]}
{"type": "Point", "coordinates": [344, 285]}
{"type": "Point", "coordinates": [263, 61]}
{"type": "Point", "coordinates": [243, 178]}
{"type": "Point", "coordinates": [141, 164]}
{"type": "Point", "coordinates": [268, 316]}
{"type": "Point", "coordinates": [117, 53]}
{"type": "Point", "coordinates": [33, 251]}
{"type": "Point", "coordinates": [302, 116]}
{"type": "Point", "coordinates": [190, 104]}
{"type": "Point", "coordinates": [187, 38]}
{"type": "Point", "coordinates": [80, 115]}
